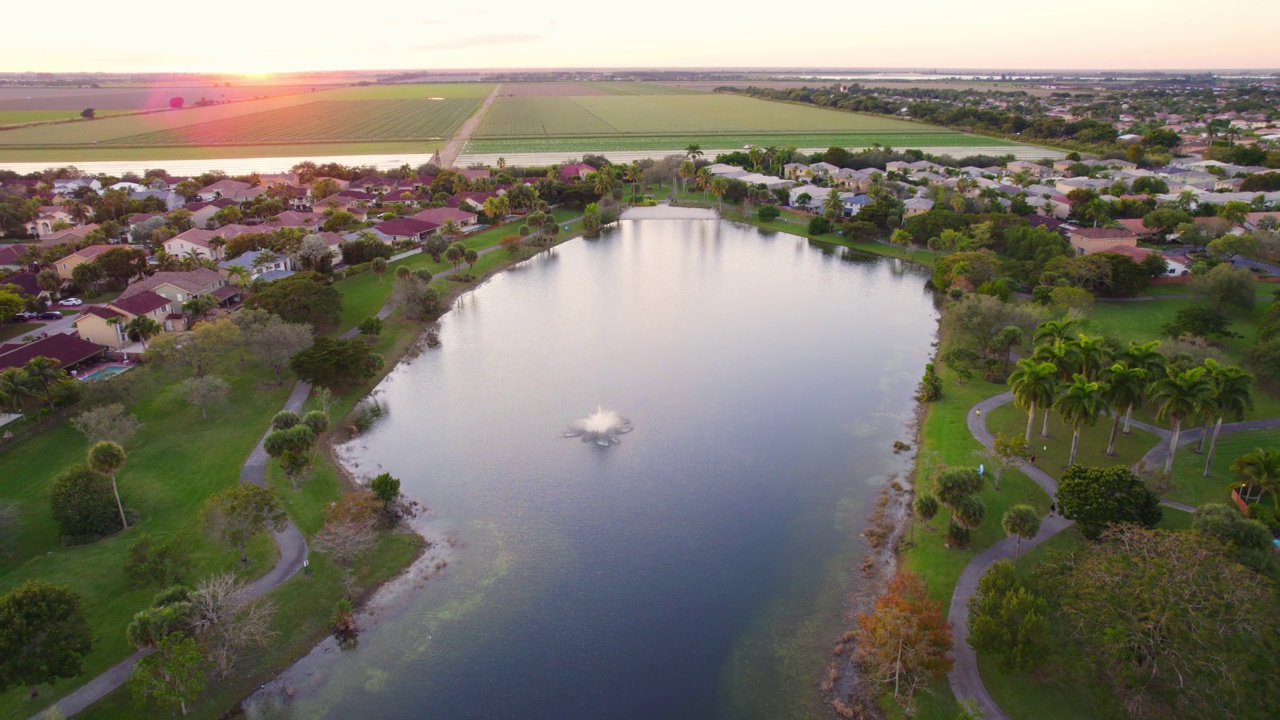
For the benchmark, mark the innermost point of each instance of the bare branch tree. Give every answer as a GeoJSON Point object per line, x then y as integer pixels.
{"type": "Point", "coordinates": [227, 620]}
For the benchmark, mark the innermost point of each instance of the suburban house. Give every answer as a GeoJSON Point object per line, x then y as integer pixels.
{"type": "Point", "coordinates": [816, 196]}
{"type": "Point", "coordinates": [261, 265]}
{"type": "Point", "coordinates": [65, 348]}
{"type": "Point", "coordinates": [172, 200]}
{"type": "Point", "coordinates": [405, 229]}
{"type": "Point", "coordinates": [95, 322]}
{"type": "Point", "coordinates": [795, 171]}
{"type": "Point", "coordinates": [294, 218]}
{"type": "Point", "coordinates": [1087, 241]}
{"type": "Point", "coordinates": [334, 241]}
{"type": "Point", "coordinates": [822, 169]}
{"type": "Point", "coordinates": [68, 186]}
{"type": "Point", "coordinates": [470, 200]}
{"type": "Point", "coordinates": [26, 283]}
{"type": "Point", "coordinates": [181, 286]}
{"type": "Point", "coordinates": [474, 174]}
{"type": "Point", "coordinates": [46, 218]}
{"type": "Point", "coordinates": [227, 189]}
{"type": "Point", "coordinates": [438, 216]}
{"type": "Point", "coordinates": [204, 243]}
{"type": "Point", "coordinates": [374, 184]}
{"type": "Point", "coordinates": [68, 236]}
{"type": "Point", "coordinates": [66, 264]}
{"type": "Point", "coordinates": [916, 206]}
{"type": "Point", "coordinates": [202, 212]}
{"type": "Point", "coordinates": [11, 257]}
{"type": "Point", "coordinates": [575, 172]}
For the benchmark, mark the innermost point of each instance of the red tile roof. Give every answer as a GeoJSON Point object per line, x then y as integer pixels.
{"type": "Point", "coordinates": [140, 303]}
{"type": "Point", "coordinates": [404, 227]}
{"type": "Point", "coordinates": [25, 280]}
{"type": "Point", "coordinates": [66, 349]}
{"type": "Point", "coordinates": [437, 216]}
{"type": "Point", "coordinates": [1102, 233]}
{"type": "Point", "coordinates": [9, 254]}
{"type": "Point", "coordinates": [105, 313]}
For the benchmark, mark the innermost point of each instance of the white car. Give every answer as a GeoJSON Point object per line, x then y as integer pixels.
{"type": "Point", "coordinates": [71, 302]}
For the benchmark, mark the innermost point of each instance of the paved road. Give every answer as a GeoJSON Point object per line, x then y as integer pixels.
{"type": "Point", "coordinates": [964, 678]}
{"type": "Point", "coordinates": [293, 552]}
{"type": "Point", "coordinates": [452, 149]}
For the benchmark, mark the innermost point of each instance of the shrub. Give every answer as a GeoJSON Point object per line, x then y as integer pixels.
{"type": "Point", "coordinates": [83, 504]}
{"type": "Point", "coordinates": [768, 213]}
{"type": "Point", "coordinates": [819, 225]}
{"type": "Point", "coordinates": [157, 564]}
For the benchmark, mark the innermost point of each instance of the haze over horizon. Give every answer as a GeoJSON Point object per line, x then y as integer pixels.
{"type": "Point", "coordinates": [1091, 35]}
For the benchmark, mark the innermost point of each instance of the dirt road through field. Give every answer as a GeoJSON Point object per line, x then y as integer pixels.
{"type": "Point", "coordinates": [452, 149]}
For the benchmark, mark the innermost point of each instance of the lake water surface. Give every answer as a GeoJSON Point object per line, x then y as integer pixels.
{"type": "Point", "coordinates": [699, 568]}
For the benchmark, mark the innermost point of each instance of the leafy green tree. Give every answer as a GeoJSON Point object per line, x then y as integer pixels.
{"type": "Point", "coordinates": [198, 351]}
{"type": "Point", "coordinates": [158, 564]}
{"type": "Point", "coordinates": [305, 297]}
{"type": "Point", "coordinates": [1248, 541]}
{"type": "Point", "coordinates": [175, 674]}
{"type": "Point", "coordinates": [768, 213]}
{"type": "Point", "coordinates": [1034, 384]}
{"type": "Point", "coordinates": [819, 225]}
{"type": "Point", "coordinates": [1007, 619]}
{"type": "Point", "coordinates": [237, 513]}
{"type": "Point", "coordinates": [1171, 626]}
{"type": "Point", "coordinates": [1225, 285]}
{"type": "Point", "coordinates": [290, 447]}
{"type": "Point", "coordinates": [107, 457]}
{"type": "Point", "coordinates": [1021, 522]}
{"type": "Point", "coordinates": [386, 487]}
{"type": "Point", "coordinates": [331, 362]}
{"type": "Point", "coordinates": [962, 361]}
{"type": "Point", "coordinates": [82, 503]}
{"type": "Point", "coordinates": [1181, 395]}
{"type": "Point", "coordinates": [1080, 407]}
{"type": "Point", "coordinates": [1098, 497]}
{"type": "Point", "coordinates": [205, 392]}
{"type": "Point", "coordinates": [43, 635]}
{"type": "Point", "coordinates": [371, 327]}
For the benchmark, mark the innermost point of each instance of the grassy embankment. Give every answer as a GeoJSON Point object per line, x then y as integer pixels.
{"type": "Point", "coordinates": [1056, 690]}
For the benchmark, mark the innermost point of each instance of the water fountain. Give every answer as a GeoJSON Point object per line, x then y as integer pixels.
{"type": "Point", "coordinates": [601, 427]}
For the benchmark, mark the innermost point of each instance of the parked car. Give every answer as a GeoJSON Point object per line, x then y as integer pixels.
{"type": "Point", "coordinates": [22, 317]}
{"type": "Point", "coordinates": [71, 302]}
{"type": "Point", "coordinates": [49, 315]}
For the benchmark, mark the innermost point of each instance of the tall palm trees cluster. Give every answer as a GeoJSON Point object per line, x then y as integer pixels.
{"type": "Point", "coordinates": [1082, 377]}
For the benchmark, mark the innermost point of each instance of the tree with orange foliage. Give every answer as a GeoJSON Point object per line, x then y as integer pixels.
{"type": "Point", "coordinates": [905, 642]}
{"type": "Point", "coordinates": [350, 527]}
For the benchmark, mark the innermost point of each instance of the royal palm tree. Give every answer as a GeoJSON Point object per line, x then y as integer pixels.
{"type": "Point", "coordinates": [693, 152]}
{"type": "Point", "coordinates": [632, 174]}
{"type": "Point", "coordinates": [1232, 397]}
{"type": "Point", "coordinates": [720, 186]}
{"type": "Point", "coordinates": [703, 179]}
{"type": "Point", "coordinates": [1262, 468]}
{"type": "Point", "coordinates": [1080, 407]}
{"type": "Point", "coordinates": [107, 457]}
{"type": "Point", "coordinates": [1092, 352]}
{"type": "Point", "coordinates": [687, 172]}
{"type": "Point", "coordinates": [1034, 384]}
{"type": "Point", "coordinates": [1181, 395]}
{"type": "Point", "coordinates": [1063, 354]}
{"type": "Point", "coordinates": [1125, 387]}
{"type": "Point", "coordinates": [1146, 357]}
{"type": "Point", "coordinates": [1053, 330]}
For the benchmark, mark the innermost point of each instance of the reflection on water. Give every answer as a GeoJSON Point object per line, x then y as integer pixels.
{"type": "Point", "coordinates": [696, 569]}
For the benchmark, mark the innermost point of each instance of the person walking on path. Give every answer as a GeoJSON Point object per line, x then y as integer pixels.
{"type": "Point", "coordinates": [1053, 509]}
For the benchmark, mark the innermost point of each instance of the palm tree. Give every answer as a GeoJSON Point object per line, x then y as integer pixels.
{"type": "Point", "coordinates": [702, 179]}
{"type": "Point", "coordinates": [720, 186]}
{"type": "Point", "coordinates": [107, 457]}
{"type": "Point", "coordinates": [1262, 468]}
{"type": "Point", "coordinates": [455, 255]}
{"type": "Point", "coordinates": [1080, 408]}
{"type": "Point", "coordinates": [1034, 384]}
{"type": "Point", "coordinates": [1092, 352]}
{"type": "Point", "coordinates": [1053, 330]}
{"type": "Point", "coordinates": [496, 207]}
{"type": "Point", "coordinates": [1065, 356]}
{"type": "Point", "coordinates": [199, 306]}
{"type": "Point", "coordinates": [44, 372]}
{"type": "Point", "coordinates": [693, 152]}
{"type": "Point", "coordinates": [1126, 387]}
{"type": "Point", "coordinates": [687, 172]}
{"type": "Point", "coordinates": [1021, 522]}
{"type": "Point", "coordinates": [15, 386]}
{"type": "Point", "coordinates": [632, 174]}
{"type": "Point", "coordinates": [1232, 396]}
{"type": "Point", "coordinates": [450, 228]}
{"type": "Point", "coordinates": [1181, 395]}
{"type": "Point", "coordinates": [49, 281]}
{"type": "Point", "coordinates": [833, 205]}
{"type": "Point", "coordinates": [144, 327]}
{"type": "Point", "coordinates": [603, 182]}
{"type": "Point", "coordinates": [1146, 357]}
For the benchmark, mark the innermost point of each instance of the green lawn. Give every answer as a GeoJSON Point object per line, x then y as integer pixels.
{"type": "Point", "coordinates": [1190, 487]}
{"type": "Point", "coordinates": [22, 117]}
{"type": "Point", "coordinates": [9, 331]}
{"type": "Point", "coordinates": [175, 461]}
{"type": "Point", "coordinates": [1052, 452]}
{"type": "Point", "coordinates": [922, 137]}
{"type": "Point", "coordinates": [191, 152]}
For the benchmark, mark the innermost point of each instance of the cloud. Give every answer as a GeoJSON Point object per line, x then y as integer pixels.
{"type": "Point", "coordinates": [475, 41]}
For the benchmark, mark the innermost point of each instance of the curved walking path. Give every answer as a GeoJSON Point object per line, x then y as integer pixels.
{"type": "Point", "coordinates": [964, 678]}
{"type": "Point", "coordinates": [293, 553]}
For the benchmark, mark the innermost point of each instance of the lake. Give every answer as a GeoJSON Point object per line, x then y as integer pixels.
{"type": "Point", "coordinates": [699, 568]}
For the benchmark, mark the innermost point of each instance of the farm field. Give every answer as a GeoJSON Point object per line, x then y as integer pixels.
{"type": "Point", "coordinates": [708, 86]}
{"type": "Point", "coordinates": [156, 155]}
{"type": "Point", "coordinates": [133, 98]}
{"type": "Point", "coordinates": [23, 117]}
{"type": "Point", "coordinates": [322, 121]}
{"type": "Point", "coordinates": [669, 114]}
{"type": "Point", "coordinates": [922, 139]}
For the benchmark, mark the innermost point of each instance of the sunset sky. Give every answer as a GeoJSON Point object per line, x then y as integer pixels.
{"type": "Point", "coordinates": [91, 35]}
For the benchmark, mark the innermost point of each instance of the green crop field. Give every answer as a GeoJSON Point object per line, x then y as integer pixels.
{"type": "Point", "coordinates": [642, 88]}
{"type": "Point", "coordinates": [919, 140]}
{"type": "Point", "coordinates": [700, 114]}
{"type": "Point", "coordinates": [323, 121]}
{"type": "Point", "coordinates": [418, 91]}
{"type": "Point", "coordinates": [22, 117]}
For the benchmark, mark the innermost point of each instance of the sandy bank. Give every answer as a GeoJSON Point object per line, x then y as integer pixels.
{"type": "Point", "coordinates": [667, 212]}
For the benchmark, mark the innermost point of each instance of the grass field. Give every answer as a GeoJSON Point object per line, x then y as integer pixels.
{"type": "Point", "coordinates": [159, 154]}
{"type": "Point", "coordinates": [23, 117]}
{"type": "Point", "coordinates": [76, 99]}
{"type": "Point", "coordinates": [920, 137]}
{"type": "Point", "coordinates": [323, 121]}
{"type": "Point", "coordinates": [670, 115]}
{"type": "Point", "coordinates": [1190, 487]}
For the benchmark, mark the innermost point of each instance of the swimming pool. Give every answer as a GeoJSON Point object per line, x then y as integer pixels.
{"type": "Point", "coordinates": [104, 372]}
